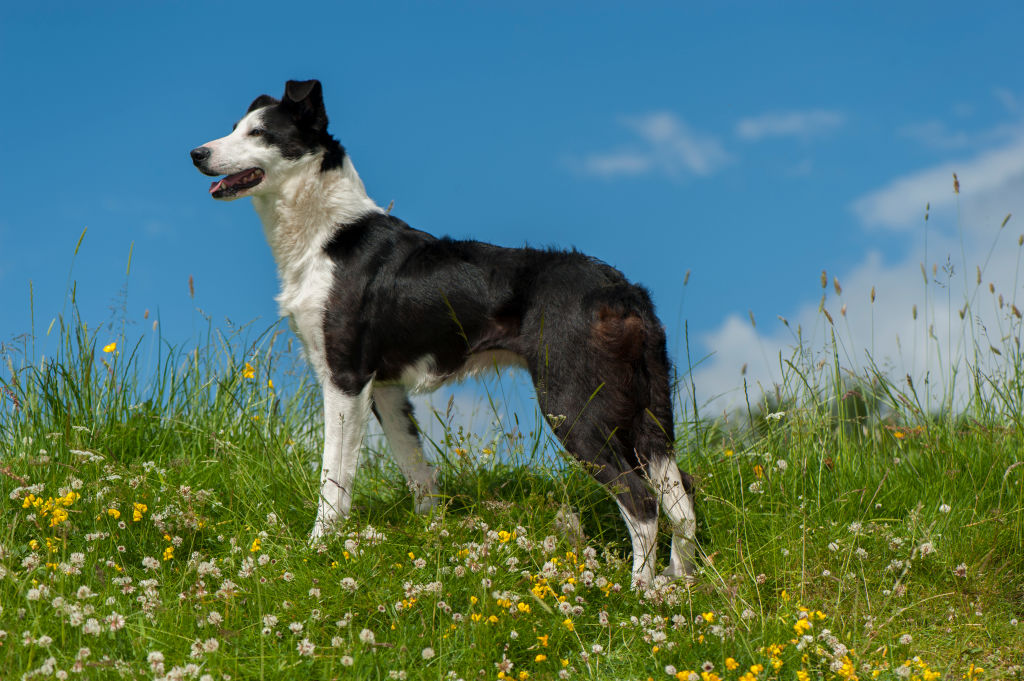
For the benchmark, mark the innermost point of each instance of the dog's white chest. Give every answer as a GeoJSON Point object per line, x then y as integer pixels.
{"type": "Point", "coordinates": [303, 299]}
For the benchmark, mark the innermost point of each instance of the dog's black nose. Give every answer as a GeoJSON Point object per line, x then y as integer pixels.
{"type": "Point", "coordinates": [199, 154]}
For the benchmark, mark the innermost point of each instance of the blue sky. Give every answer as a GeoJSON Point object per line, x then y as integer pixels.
{"type": "Point", "coordinates": [752, 144]}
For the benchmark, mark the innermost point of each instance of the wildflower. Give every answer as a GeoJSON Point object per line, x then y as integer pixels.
{"type": "Point", "coordinates": [306, 647]}
{"type": "Point", "coordinates": [113, 513]}
{"type": "Point", "coordinates": [137, 511]}
{"type": "Point", "coordinates": [367, 637]}
{"type": "Point", "coordinates": [801, 626]}
{"type": "Point", "coordinates": [543, 640]}
{"type": "Point", "coordinates": [169, 553]}
{"type": "Point", "coordinates": [906, 640]}
{"type": "Point", "coordinates": [567, 623]}
{"type": "Point", "coordinates": [427, 653]}
{"type": "Point", "coordinates": [709, 617]}
{"type": "Point", "coordinates": [944, 508]}
{"type": "Point", "coordinates": [255, 545]}
{"type": "Point", "coordinates": [759, 471]}
{"type": "Point", "coordinates": [540, 657]}
{"type": "Point", "coordinates": [110, 347]}
{"type": "Point", "coordinates": [960, 570]}
{"type": "Point", "coordinates": [249, 371]}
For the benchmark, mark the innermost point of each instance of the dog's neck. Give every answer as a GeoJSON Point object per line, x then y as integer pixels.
{"type": "Point", "coordinates": [302, 214]}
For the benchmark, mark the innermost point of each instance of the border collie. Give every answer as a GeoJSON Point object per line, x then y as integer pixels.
{"type": "Point", "coordinates": [383, 309]}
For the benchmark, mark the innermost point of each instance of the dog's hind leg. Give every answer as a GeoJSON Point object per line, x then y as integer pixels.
{"type": "Point", "coordinates": [675, 492]}
{"type": "Point", "coordinates": [601, 454]}
{"type": "Point", "coordinates": [345, 417]}
{"type": "Point", "coordinates": [394, 412]}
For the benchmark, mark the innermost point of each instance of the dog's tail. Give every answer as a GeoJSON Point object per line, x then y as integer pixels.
{"type": "Point", "coordinates": [632, 343]}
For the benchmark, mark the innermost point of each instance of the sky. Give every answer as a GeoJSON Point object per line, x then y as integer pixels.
{"type": "Point", "coordinates": [722, 154]}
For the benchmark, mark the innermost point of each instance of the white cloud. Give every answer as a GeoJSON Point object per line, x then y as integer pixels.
{"type": "Point", "coordinates": [934, 134]}
{"type": "Point", "coordinates": [989, 179]}
{"type": "Point", "coordinates": [937, 343]}
{"type": "Point", "coordinates": [802, 124]}
{"type": "Point", "coordinates": [665, 144]}
{"type": "Point", "coordinates": [617, 163]}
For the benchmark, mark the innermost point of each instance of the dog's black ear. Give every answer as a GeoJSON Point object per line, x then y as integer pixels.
{"type": "Point", "coordinates": [305, 100]}
{"type": "Point", "coordinates": [260, 102]}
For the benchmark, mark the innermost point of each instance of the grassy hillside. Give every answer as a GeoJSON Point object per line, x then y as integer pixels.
{"type": "Point", "coordinates": [157, 503]}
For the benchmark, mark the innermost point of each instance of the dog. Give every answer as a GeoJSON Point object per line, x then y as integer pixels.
{"type": "Point", "coordinates": [383, 309]}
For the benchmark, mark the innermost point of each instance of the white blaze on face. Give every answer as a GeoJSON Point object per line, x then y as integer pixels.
{"type": "Point", "coordinates": [240, 150]}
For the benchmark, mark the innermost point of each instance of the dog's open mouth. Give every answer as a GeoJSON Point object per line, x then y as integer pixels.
{"type": "Point", "coordinates": [234, 184]}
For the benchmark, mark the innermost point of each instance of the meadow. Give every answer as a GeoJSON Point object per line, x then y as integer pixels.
{"type": "Point", "coordinates": [157, 501]}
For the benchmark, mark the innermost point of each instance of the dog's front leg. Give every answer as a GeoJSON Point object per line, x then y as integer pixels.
{"type": "Point", "coordinates": [345, 417]}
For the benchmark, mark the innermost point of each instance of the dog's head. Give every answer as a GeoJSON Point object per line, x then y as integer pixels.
{"type": "Point", "coordinates": [273, 140]}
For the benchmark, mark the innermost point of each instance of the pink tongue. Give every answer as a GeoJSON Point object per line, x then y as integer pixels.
{"type": "Point", "coordinates": [214, 186]}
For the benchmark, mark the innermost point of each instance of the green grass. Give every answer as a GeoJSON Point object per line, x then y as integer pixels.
{"type": "Point", "coordinates": [891, 538]}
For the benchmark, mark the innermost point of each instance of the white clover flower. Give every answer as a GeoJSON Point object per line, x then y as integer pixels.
{"type": "Point", "coordinates": [367, 637]}
{"type": "Point", "coordinates": [427, 653]}
{"type": "Point", "coordinates": [305, 647]}
{"type": "Point", "coordinates": [944, 508]}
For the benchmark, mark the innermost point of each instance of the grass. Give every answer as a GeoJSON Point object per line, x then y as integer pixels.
{"type": "Point", "coordinates": [157, 503]}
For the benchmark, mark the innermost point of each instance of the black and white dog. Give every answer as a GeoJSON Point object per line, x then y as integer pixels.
{"type": "Point", "coordinates": [383, 309]}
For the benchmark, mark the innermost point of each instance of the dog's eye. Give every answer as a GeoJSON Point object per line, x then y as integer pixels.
{"type": "Point", "coordinates": [256, 132]}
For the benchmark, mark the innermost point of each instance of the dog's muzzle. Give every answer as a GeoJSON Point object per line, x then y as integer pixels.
{"type": "Point", "coordinates": [200, 155]}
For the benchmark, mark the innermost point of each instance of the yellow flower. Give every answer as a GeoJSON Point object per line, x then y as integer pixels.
{"type": "Point", "coordinates": [113, 513]}
{"type": "Point", "coordinates": [784, 596]}
{"type": "Point", "coordinates": [756, 668]}
{"type": "Point", "coordinates": [473, 600]}
{"type": "Point", "coordinates": [801, 675]}
{"type": "Point", "coordinates": [59, 516]}
{"type": "Point", "coordinates": [523, 607]}
{"type": "Point", "coordinates": [523, 675]}
{"type": "Point", "coordinates": [137, 511]}
{"type": "Point", "coordinates": [709, 617]}
{"type": "Point", "coordinates": [759, 471]}
{"type": "Point", "coordinates": [540, 657]}
{"type": "Point", "coordinates": [270, 383]}
{"type": "Point", "coordinates": [801, 627]}
{"type": "Point", "coordinates": [731, 664]}
{"type": "Point", "coordinates": [710, 676]}
{"type": "Point", "coordinates": [249, 371]}
{"type": "Point", "coordinates": [543, 640]}
{"type": "Point", "coordinates": [504, 536]}
{"type": "Point", "coordinates": [110, 347]}
{"type": "Point", "coordinates": [256, 546]}
{"type": "Point", "coordinates": [169, 553]}
{"type": "Point", "coordinates": [567, 623]}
